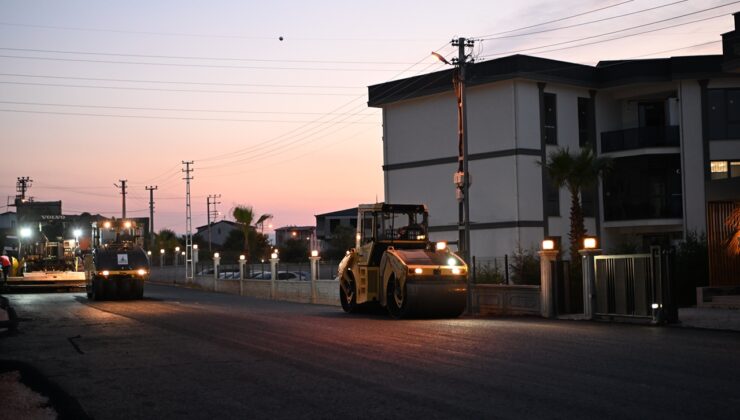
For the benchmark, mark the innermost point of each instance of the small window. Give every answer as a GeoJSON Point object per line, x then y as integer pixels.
{"type": "Point", "coordinates": [584, 121]}
{"type": "Point", "coordinates": [719, 169]}
{"type": "Point", "coordinates": [550, 123]}
{"type": "Point", "coordinates": [552, 198]}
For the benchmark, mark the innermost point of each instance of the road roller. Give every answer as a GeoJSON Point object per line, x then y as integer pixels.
{"type": "Point", "coordinates": [396, 266]}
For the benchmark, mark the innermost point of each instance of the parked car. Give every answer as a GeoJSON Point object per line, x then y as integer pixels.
{"type": "Point", "coordinates": [222, 274]}
{"type": "Point", "coordinates": [282, 275]}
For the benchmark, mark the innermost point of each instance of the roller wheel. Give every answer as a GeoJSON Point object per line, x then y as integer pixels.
{"type": "Point", "coordinates": [97, 292]}
{"type": "Point", "coordinates": [347, 292]}
{"type": "Point", "coordinates": [397, 299]}
{"type": "Point", "coordinates": [138, 289]}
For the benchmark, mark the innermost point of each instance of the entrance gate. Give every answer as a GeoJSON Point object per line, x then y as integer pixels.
{"type": "Point", "coordinates": [636, 285]}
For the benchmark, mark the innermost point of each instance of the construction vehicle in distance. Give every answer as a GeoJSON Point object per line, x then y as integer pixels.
{"type": "Point", "coordinates": [118, 265]}
{"type": "Point", "coordinates": [395, 265]}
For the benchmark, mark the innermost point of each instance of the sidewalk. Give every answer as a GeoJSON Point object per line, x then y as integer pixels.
{"type": "Point", "coordinates": [710, 318]}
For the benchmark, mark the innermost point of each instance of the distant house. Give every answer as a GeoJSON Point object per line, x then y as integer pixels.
{"type": "Point", "coordinates": [7, 221]}
{"type": "Point", "coordinates": [219, 232]}
{"type": "Point", "coordinates": [327, 223]}
{"type": "Point", "coordinates": [304, 233]}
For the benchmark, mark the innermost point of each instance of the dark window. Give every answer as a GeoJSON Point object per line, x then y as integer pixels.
{"type": "Point", "coordinates": [651, 114]}
{"type": "Point", "coordinates": [552, 198]}
{"type": "Point", "coordinates": [643, 187]}
{"type": "Point", "coordinates": [723, 113]}
{"type": "Point", "coordinates": [353, 222]}
{"type": "Point", "coordinates": [584, 121]}
{"type": "Point", "coordinates": [550, 123]}
{"type": "Point", "coordinates": [333, 225]}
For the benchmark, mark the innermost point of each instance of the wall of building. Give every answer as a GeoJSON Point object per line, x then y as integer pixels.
{"type": "Point", "coordinates": [692, 156]}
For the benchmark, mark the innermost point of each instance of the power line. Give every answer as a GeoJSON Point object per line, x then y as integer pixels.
{"type": "Point", "coordinates": [81, 114]}
{"type": "Point", "coordinates": [239, 92]}
{"type": "Point", "coordinates": [138, 108]}
{"type": "Point", "coordinates": [98, 79]}
{"type": "Point", "coordinates": [555, 20]}
{"type": "Point", "coordinates": [211, 66]}
{"type": "Point", "coordinates": [618, 31]}
{"type": "Point", "coordinates": [176, 57]}
{"type": "Point", "coordinates": [582, 23]}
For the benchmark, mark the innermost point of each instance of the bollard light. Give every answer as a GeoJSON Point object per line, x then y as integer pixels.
{"type": "Point", "coordinates": [177, 249]}
{"type": "Point", "coordinates": [149, 253]}
{"type": "Point", "coordinates": [195, 247]}
{"type": "Point", "coordinates": [182, 253]}
{"type": "Point", "coordinates": [161, 251]}
{"type": "Point", "coordinates": [242, 258]}
{"type": "Point", "coordinates": [274, 255]}
{"type": "Point", "coordinates": [548, 245]}
{"type": "Point", "coordinates": [589, 242]}
{"type": "Point", "coordinates": [314, 253]}
{"type": "Point", "coordinates": [216, 255]}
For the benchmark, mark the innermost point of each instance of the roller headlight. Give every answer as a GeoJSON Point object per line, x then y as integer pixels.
{"type": "Point", "coordinates": [106, 273]}
{"type": "Point", "coordinates": [141, 272]}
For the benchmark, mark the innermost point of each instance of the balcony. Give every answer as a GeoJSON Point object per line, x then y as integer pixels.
{"type": "Point", "coordinates": [640, 138]}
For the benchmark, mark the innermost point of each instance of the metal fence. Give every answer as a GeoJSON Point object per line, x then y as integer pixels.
{"type": "Point", "coordinates": [521, 268]}
{"type": "Point", "coordinates": [624, 284]}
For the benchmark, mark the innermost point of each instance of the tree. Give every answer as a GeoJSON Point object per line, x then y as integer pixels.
{"type": "Point", "coordinates": [259, 244]}
{"type": "Point", "coordinates": [342, 239]}
{"type": "Point", "coordinates": [166, 239]}
{"type": "Point", "coordinates": [575, 172]}
{"type": "Point", "coordinates": [245, 216]}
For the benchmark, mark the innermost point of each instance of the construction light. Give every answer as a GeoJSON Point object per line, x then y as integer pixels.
{"type": "Point", "coordinates": [451, 261]}
{"type": "Point", "coordinates": [418, 271]}
{"type": "Point", "coordinates": [26, 232]}
{"type": "Point", "coordinates": [141, 272]}
{"type": "Point", "coordinates": [106, 273]}
{"type": "Point", "coordinates": [441, 246]}
{"type": "Point", "coordinates": [127, 224]}
{"type": "Point", "coordinates": [77, 233]}
{"type": "Point", "coordinates": [106, 224]}
{"type": "Point", "coordinates": [456, 271]}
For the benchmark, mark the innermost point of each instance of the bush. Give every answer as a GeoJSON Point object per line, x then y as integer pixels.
{"type": "Point", "coordinates": [525, 267]}
{"type": "Point", "coordinates": [690, 268]}
{"type": "Point", "coordinates": [490, 271]}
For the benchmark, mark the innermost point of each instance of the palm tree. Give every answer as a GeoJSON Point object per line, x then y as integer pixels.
{"type": "Point", "coordinates": [245, 216]}
{"type": "Point", "coordinates": [576, 172]}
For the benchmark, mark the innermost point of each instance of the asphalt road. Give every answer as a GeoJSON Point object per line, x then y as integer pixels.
{"type": "Point", "coordinates": [184, 353]}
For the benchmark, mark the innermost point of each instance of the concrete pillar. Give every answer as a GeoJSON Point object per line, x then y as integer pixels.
{"type": "Point", "coordinates": [242, 269]}
{"type": "Point", "coordinates": [216, 264]}
{"type": "Point", "coordinates": [177, 256]}
{"type": "Point", "coordinates": [273, 269]}
{"type": "Point", "coordinates": [314, 276]}
{"type": "Point", "coordinates": [589, 281]}
{"type": "Point", "coordinates": [547, 295]}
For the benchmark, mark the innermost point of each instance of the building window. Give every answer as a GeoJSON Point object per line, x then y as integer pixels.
{"type": "Point", "coordinates": [722, 169]}
{"type": "Point", "coordinates": [552, 198]}
{"type": "Point", "coordinates": [723, 113]}
{"type": "Point", "coordinates": [584, 121]}
{"type": "Point", "coordinates": [588, 202]}
{"type": "Point", "coordinates": [333, 224]}
{"type": "Point", "coordinates": [550, 123]}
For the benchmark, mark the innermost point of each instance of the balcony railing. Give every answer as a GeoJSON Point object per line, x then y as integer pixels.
{"type": "Point", "coordinates": [639, 138]}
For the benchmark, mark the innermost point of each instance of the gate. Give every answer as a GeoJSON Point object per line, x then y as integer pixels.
{"type": "Point", "coordinates": [567, 289]}
{"type": "Point", "coordinates": [637, 285]}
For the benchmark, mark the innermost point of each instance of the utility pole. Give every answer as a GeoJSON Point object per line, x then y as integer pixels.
{"type": "Point", "coordinates": [212, 201]}
{"type": "Point", "coordinates": [151, 214]}
{"type": "Point", "coordinates": [189, 268]}
{"type": "Point", "coordinates": [123, 194]}
{"type": "Point", "coordinates": [21, 186]}
{"type": "Point", "coordinates": [462, 176]}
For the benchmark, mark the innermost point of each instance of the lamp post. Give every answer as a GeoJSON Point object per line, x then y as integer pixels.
{"type": "Point", "coordinates": [548, 255]}
{"type": "Point", "coordinates": [274, 260]}
{"type": "Point", "coordinates": [77, 233]}
{"type": "Point", "coordinates": [177, 255]}
{"type": "Point", "coordinates": [242, 267]}
{"type": "Point", "coordinates": [314, 274]}
{"type": "Point", "coordinates": [589, 251]}
{"type": "Point", "coordinates": [161, 257]}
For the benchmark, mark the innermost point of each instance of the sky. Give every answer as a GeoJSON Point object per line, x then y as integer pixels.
{"type": "Point", "coordinates": [268, 99]}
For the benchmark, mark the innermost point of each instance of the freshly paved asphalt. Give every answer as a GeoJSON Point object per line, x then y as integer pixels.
{"type": "Point", "coordinates": [183, 353]}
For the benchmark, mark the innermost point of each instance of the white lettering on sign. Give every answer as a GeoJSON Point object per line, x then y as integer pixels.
{"type": "Point", "coordinates": [122, 259]}
{"type": "Point", "coordinates": [53, 217]}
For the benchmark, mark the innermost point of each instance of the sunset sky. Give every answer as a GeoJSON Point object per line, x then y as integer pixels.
{"type": "Point", "coordinates": [92, 92]}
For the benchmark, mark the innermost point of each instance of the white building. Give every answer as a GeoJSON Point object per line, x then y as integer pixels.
{"type": "Point", "coordinates": [672, 126]}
